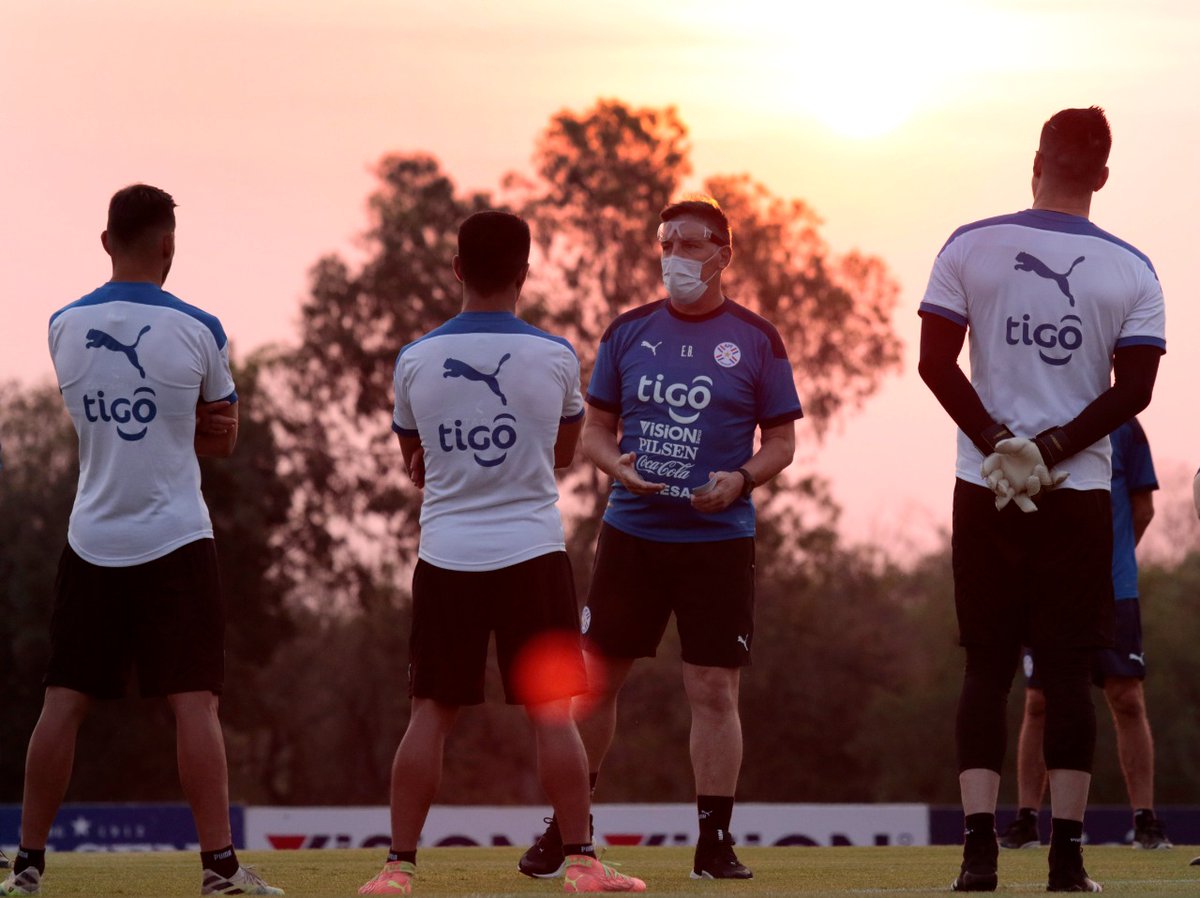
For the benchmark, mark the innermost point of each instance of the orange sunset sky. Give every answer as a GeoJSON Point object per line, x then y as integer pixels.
{"type": "Point", "coordinates": [895, 122]}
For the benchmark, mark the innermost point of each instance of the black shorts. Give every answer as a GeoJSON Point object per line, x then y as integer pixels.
{"type": "Point", "coordinates": [1125, 661]}
{"type": "Point", "coordinates": [532, 610]}
{"type": "Point", "coordinates": [637, 584]}
{"type": "Point", "coordinates": [1037, 579]}
{"type": "Point", "coordinates": [163, 620]}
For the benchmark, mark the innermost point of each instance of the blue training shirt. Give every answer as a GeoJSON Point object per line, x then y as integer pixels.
{"type": "Point", "coordinates": [1132, 472]}
{"type": "Point", "coordinates": [690, 392]}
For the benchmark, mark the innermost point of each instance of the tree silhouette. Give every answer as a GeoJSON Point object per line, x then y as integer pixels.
{"type": "Point", "coordinates": [37, 489]}
{"type": "Point", "coordinates": [599, 181]}
{"type": "Point", "coordinates": [126, 749]}
{"type": "Point", "coordinates": [354, 509]}
{"type": "Point", "coordinates": [834, 313]}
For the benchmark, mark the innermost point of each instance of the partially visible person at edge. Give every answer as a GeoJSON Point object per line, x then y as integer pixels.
{"type": "Point", "coordinates": [1053, 306]}
{"type": "Point", "coordinates": [486, 407]}
{"type": "Point", "coordinates": [1196, 506]}
{"type": "Point", "coordinates": [679, 389]}
{"type": "Point", "coordinates": [1118, 671]}
{"type": "Point", "coordinates": [138, 587]}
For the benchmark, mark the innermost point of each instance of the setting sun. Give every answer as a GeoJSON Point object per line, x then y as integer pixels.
{"type": "Point", "coordinates": [862, 69]}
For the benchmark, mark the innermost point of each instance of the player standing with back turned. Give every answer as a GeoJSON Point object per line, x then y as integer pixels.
{"type": "Point", "coordinates": [486, 406]}
{"type": "Point", "coordinates": [1053, 306]}
{"type": "Point", "coordinates": [138, 585]}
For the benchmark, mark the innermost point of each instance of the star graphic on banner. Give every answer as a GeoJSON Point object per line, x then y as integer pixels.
{"type": "Point", "coordinates": [81, 826]}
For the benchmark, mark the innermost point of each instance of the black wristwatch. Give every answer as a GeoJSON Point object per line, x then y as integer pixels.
{"type": "Point", "coordinates": [749, 482]}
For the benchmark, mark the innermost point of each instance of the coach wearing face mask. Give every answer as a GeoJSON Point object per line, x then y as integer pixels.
{"type": "Point", "coordinates": [679, 388]}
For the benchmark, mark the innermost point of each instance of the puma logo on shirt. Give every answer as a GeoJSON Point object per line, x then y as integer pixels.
{"type": "Point", "coordinates": [98, 339]}
{"type": "Point", "coordinates": [1027, 262]}
{"type": "Point", "coordinates": [455, 368]}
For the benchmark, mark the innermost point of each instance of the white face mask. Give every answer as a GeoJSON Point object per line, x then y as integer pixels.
{"type": "Point", "coordinates": [681, 277]}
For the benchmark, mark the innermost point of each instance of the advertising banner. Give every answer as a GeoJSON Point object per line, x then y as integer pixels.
{"type": "Point", "coordinates": [119, 827]}
{"type": "Point", "coordinates": [283, 828]}
{"type": "Point", "coordinates": [1102, 824]}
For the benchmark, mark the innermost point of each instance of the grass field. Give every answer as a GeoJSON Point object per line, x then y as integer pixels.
{"type": "Point", "coordinates": [810, 872]}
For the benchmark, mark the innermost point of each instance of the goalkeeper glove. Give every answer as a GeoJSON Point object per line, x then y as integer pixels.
{"type": "Point", "coordinates": [1016, 473]}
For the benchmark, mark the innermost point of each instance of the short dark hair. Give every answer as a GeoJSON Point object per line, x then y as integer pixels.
{"type": "Point", "coordinates": [493, 247]}
{"type": "Point", "coordinates": [1075, 145]}
{"type": "Point", "coordinates": [704, 208]}
{"type": "Point", "coordinates": [137, 210]}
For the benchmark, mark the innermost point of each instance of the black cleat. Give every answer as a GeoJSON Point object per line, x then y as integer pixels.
{"type": "Point", "coordinates": [1066, 870]}
{"type": "Point", "coordinates": [974, 881]}
{"type": "Point", "coordinates": [5, 863]}
{"type": "Point", "coordinates": [715, 859]}
{"type": "Point", "coordinates": [545, 858]}
{"type": "Point", "coordinates": [981, 853]}
{"type": "Point", "coordinates": [1148, 834]}
{"type": "Point", "coordinates": [1021, 833]}
{"type": "Point", "coordinates": [1076, 881]}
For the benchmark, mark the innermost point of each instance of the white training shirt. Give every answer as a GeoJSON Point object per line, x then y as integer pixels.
{"type": "Point", "coordinates": [132, 363]}
{"type": "Point", "coordinates": [1047, 298]}
{"type": "Point", "coordinates": [486, 393]}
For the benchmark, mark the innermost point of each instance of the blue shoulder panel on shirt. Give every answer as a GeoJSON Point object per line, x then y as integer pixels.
{"type": "Point", "coordinates": [90, 299]}
{"type": "Point", "coordinates": [1045, 220]}
{"type": "Point", "coordinates": [148, 295]}
{"type": "Point", "coordinates": [487, 323]}
{"type": "Point", "coordinates": [1011, 218]}
{"type": "Point", "coordinates": [208, 320]}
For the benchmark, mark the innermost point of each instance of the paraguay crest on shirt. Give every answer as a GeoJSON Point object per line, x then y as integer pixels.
{"type": "Point", "coordinates": [727, 354]}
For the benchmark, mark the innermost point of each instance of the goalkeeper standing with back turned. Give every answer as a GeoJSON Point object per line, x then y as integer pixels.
{"type": "Point", "coordinates": [1053, 306]}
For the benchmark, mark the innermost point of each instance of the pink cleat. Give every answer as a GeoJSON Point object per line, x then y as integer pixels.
{"type": "Point", "coordinates": [587, 874]}
{"type": "Point", "coordinates": [394, 879]}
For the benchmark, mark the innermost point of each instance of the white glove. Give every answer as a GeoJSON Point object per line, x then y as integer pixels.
{"type": "Point", "coordinates": [1016, 472]}
{"type": "Point", "coordinates": [999, 484]}
{"type": "Point", "coordinates": [1196, 493]}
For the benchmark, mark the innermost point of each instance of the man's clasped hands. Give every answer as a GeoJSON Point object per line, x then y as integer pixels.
{"type": "Point", "coordinates": [1016, 472]}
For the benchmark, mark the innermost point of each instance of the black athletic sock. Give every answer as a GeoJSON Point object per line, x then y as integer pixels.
{"type": "Point", "coordinates": [980, 826]}
{"type": "Point", "coordinates": [584, 848]}
{"type": "Point", "coordinates": [1142, 816]}
{"type": "Point", "coordinates": [1066, 843]}
{"type": "Point", "coordinates": [1027, 812]}
{"type": "Point", "coordinates": [980, 848]}
{"type": "Point", "coordinates": [715, 812]}
{"type": "Point", "coordinates": [410, 856]}
{"type": "Point", "coordinates": [223, 861]}
{"type": "Point", "coordinates": [30, 857]}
